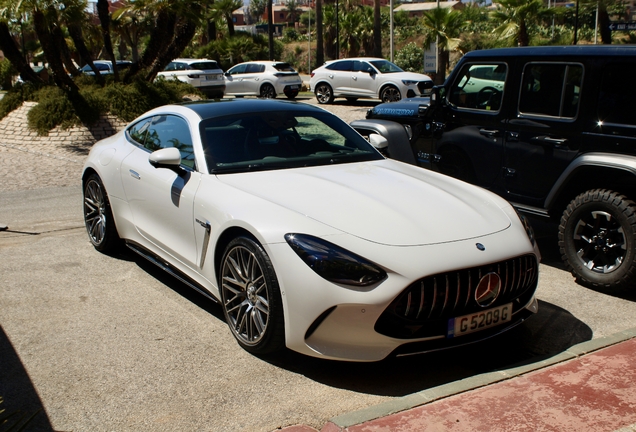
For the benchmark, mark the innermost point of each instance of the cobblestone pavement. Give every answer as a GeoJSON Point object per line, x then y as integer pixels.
{"type": "Point", "coordinates": [34, 165]}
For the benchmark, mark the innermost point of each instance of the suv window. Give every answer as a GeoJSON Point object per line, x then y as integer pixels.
{"type": "Point", "coordinates": [479, 86]}
{"type": "Point", "coordinates": [345, 65]}
{"type": "Point", "coordinates": [618, 90]}
{"type": "Point", "coordinates": [551, 89]}
{"type": "Point", "coordinates": [204, 65]}
{"type": "Point", "coordinates": [361, 66]}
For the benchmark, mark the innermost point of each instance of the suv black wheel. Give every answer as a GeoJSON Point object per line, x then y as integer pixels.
{"type": "Point", "coordinates": [390, 94]}
{"type": "Point", "coordinates": [251, 297]}
{"type": "Point", "coordinates": [324, 93]}
{"type": "Point", "coordinates": [268, 91]}
{"type": "Point", "coordinates": [98, 216]}
{"type": "Point", "coordinates": [597, 238]}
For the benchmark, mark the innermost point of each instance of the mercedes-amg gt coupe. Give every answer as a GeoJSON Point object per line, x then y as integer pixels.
{"type": "Point", "coordinates": [306, 235]}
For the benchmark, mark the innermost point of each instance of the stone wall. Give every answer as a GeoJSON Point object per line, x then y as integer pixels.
{"type": "Point", "coordinates": [73, 143]}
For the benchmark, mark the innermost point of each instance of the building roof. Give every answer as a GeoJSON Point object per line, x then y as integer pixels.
{"type": "Point", "coordinates": [420, 7]}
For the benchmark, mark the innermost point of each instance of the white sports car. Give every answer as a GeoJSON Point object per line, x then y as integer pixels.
{"type": "Point", "coordinates": [306, 235]}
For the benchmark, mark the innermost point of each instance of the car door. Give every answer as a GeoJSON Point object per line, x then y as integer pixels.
{"type": "Point", "coordinates": [339, 76]}
{"type": "Point", "coordinates": [471, 145]}
{"type": "Point", "coordinates": [544, 137]}
{"type": "Point", "coordinates": [364, 79]}
{"type": "Point", "coordinates": [253, 78]}
{"type": "Point", "coordinates": [234, 80]}
{"type": "Point", "coordinates": [160, 199]}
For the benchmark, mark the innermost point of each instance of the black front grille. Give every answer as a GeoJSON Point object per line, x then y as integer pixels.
{"type": "Point", "coordinates": [424, 308]}
{"type": "Point", "coordinates": [421, 86]}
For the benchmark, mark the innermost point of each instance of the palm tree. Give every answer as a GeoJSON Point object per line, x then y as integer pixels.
{"type": "Point", "coordinates": [320, 45]}
{"type": "Point", "coordinates": [292, 11]}
{"type": "Point", "coordinates": [444, 26]}
{"type": "Point", "coordinates": [223, 9]}
{"type": "Point", "coordinates": [377, 29]}
{"type": "Point", "coordinates": [515, 16]}
{"type": "Point", "coordinates": [104, 19]}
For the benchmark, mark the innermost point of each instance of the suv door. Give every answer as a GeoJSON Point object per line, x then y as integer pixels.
{"type": "Point", "coordinates": [234, 79]}
{"type": "Point", "coordinates": [363, 79]}
{"type": "Point", "coordinates": [543, 138]}
{"type": "Point", "coordinates": [252, 78]}
{"type": "Point", "coordinates": [471, 146]}
{"type": "Point", "coordinates": [339, 74]}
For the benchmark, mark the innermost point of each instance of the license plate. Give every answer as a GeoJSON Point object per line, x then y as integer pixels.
{"type": "Point", "coordinates": [479, 320]}
{"type": "Point", "coordinates": [212, 77]}
{"type": "Point", "coordinates": [293, 87]}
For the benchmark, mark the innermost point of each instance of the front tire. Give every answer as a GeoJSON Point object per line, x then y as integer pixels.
{"type": "Point", "coordinates": [597, 239]}
{"type": "Point", "coordinates": [98, 216]}
{"type": "Point", "coordinates": [390, 94]}
{"type": "Point", "coordinates": [268, 91]}
{"type": "Point", "coordinates": [324, 93]}
{"type": "Point", "coordinates": [251, 298]}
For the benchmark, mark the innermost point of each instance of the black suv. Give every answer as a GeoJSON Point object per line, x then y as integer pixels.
{"type": "Point", "coordinates": [551, 129]}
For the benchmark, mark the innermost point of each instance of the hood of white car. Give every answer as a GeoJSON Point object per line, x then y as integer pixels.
{"type": "Point", "coordinates": [411, 76]}
{"type": "Point", "coordinates": [384, 202]}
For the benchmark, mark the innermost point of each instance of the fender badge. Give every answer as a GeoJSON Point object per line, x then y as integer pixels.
{"type": "Point", "coordinates": [480, 246]}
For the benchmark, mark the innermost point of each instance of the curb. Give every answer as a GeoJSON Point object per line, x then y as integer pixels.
{"type": "Point", "coordinates": [426, 396]}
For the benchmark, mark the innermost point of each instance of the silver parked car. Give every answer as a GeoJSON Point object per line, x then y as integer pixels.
{"type": "Point", "coordinates": [265, 79]}
{"type": "Point", "coordinates": [203, 74]}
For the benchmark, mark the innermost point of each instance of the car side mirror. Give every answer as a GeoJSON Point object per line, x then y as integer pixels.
{"type": "Point", "coordinates": [166, 158]}
{"type": "Point", "coordinates": [437, 95]}
{"type": "Point", "coordinates": [378, 141]}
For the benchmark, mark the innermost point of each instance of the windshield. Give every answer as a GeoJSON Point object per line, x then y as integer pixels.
{"type": "Point", "coordinates": [279, 140]}
{"type": "Point", "coordinates": [385, 66]}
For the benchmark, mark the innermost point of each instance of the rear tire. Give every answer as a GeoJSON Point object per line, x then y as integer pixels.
{"type": "Point", "coordinates": [597, 239]}
{"type": "Point", "coordinates": [324, 93]}
{"type": "Point", "coordinates": [98, 216]}
{"type": "Point", "coordinates": [268, 91]}
{"type": "Point", "coordinates": [250, 297]}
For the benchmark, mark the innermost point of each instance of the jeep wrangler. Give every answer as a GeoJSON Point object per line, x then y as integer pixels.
{"type": "Point", "coordinates": [551, 129]}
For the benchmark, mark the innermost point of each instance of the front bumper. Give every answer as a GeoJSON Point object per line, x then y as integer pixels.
{"type": "Point", "coordinates": [338, 322]}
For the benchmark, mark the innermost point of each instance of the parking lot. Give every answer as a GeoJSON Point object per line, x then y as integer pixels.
{"type": "Point", "coordinates": [111, 343]}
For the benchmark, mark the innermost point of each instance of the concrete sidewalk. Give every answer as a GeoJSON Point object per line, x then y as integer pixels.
{"type": "Point", "coordinates": [590, 387]}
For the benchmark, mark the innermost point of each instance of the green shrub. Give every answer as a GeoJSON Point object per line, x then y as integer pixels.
{"type": "Point", "coordinates": [7, 72]}
{"type": "Point", "coordinates": [410, 58]}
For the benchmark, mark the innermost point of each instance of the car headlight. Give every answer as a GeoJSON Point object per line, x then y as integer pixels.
{"type": "Point", "coordinates": [409, 82]}
{"type": "Point", "coordinates": [334, 263]}
{"type": "Point", "coordinates": [526, 225]}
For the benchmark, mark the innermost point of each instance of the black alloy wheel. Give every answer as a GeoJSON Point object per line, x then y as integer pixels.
{"type": "Point", "coordinates": [597, 239]}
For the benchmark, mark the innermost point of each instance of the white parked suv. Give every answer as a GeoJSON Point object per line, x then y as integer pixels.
{"type": "Point", "coordinates": [265, 79]}
{"type": "Point", "coordinates": [366, 77]}
{"type": "Point", "coordinates": [203, 74]}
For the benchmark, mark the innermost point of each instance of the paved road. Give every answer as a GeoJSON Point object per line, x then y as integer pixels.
{"type": "Point", "coordinates": [110, 343]}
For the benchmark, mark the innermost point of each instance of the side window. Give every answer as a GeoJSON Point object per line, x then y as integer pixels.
{"type": "Point", "coordinates": [255, 68]}
{"type": "Point", "coordinates": [618, 91]}
{"type": "Point", "coordinates": [137, 132]}
{"type": "Point", "coordinates": [239, 69]}
{"type": "Point", "coordinates": [171, 66]}
{"type": "Point", "coordinates": [171, 131]}
{"type": "Point", "coordinates": [551, 89]}
{"type": "Point", "coordinates": [344, 65]}
{"type": "Point", "coordinates": [479, 86]}
{"type": "Point", "coordinates": [362, 66]}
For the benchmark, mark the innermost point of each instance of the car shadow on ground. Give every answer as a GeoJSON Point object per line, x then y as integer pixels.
{"type": "Point", "coordinates": [551, 331]}
{"type": "Point", "coordinates": [19, 395]}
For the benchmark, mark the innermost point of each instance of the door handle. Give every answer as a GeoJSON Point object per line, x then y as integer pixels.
{"type": "Point", "coordinates": [558, 143]}
{"type": "Point", "coordinates": [355, 78]}
{"type": "Point", "coordinates": [134, 174]}
{"type": "Point", "coordinates": [489, 133]}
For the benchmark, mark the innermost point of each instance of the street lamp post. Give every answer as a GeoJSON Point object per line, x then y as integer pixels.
{"type": "Point", "coordinates": [337, 32]}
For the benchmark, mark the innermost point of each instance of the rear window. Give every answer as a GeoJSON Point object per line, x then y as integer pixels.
{"type": "Point", "coordinates": [618, 91]}
{"type": "Point", "coordinates": [551, 89]}
{"type": "Point", "coordinates": [284, 67]}
{"type": "Point", "coordinates": [205, 65]}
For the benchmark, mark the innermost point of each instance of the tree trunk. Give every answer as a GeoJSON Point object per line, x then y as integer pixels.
{"type": "Point", "coordinates": [320, 46]}
{"type": "Point", "coordinates": [75, 31]}
{"type": "Point", "coordinates": [12, 52]}
{"type": "Point", "coordinates": [270, 29]}
{"type": "Point", "coordinates": [160, 38]}
{"type": "Point", "coordinates": [524, 38]}
{"type": "Point", "coordinates": [604, 24]}
{"type": "Point", "coordinates": [230, 25]}
{"type": "Point", "coordinates": [184, 32]}
{"type": "Point", "coordinates": [53, 56]}
{"type": "Point", "coordinates": [104, 19]}
{"type": "Point", "coordinates": [377, 29]}
{"type": "Point", "coordinates": [60, 42]}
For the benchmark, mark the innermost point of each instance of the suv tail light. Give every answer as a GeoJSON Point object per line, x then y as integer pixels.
{"type": "Point", "coordinates": [312, 74]}
{"type": "Point", "coordinates": [193, 76]}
